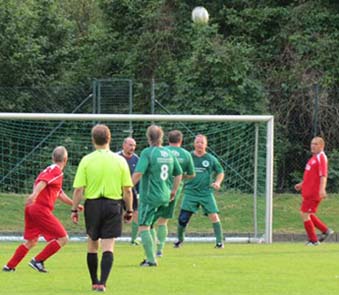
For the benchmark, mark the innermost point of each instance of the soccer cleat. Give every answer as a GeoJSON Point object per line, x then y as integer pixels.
{"type": "Point", "coordinates": [159, 254]}
{"type": "Point", "coordinates": [135, 243]}
{"type": "Point", "coordinates": [326, 235]}
{"type": "Point", "coordinates": [219, 246]}
{"type": "Point", "coordinates": [37, 265]}
{"type": "Point", "coordinates": [178, 244]}
{"type": "Point", "coordinates": [94, 287]}
{"type": "Point", "coordinates": [100, 288]}
{"type": "Point", "coordinates": [146, 263]}
{"type": "Point", "coordinates": [7, 269]}
{"type": "Point", "coordinates": [310, 243]}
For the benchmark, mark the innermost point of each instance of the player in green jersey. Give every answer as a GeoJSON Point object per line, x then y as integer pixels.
{"type": "Point", "coordinates": [185, 160]}
{"type": "Point", "coordinates": [199, 191]}
{"type": "Point", "coordinates": [155, 168]}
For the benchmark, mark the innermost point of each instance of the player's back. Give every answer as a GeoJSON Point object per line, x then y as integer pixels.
{"type": "Point", "coordinates": [156, 164]}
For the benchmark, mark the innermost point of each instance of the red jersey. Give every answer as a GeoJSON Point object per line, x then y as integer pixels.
{"type": "Point", "coordinates": [316, 167]}
{"type": "Point", "coordinates": [53, 176]}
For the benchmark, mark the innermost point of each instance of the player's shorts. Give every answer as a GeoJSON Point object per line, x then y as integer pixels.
{"type": "Point", "coordinates": [40, 221]}
{"type": "Point", "coordinates": [147, 214]}
{"type": "Point", "coordinates": [206, 202]}
{"type": "Point", "coordinates": [168, 212]}
{"type": "Point", "coordinates": [309, 205]}
{"type": "Point", "coordinates": [103, 218]}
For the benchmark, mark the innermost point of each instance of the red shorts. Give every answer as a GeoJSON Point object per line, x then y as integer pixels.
{"type": "Point", "coordinates": [309, 205]}
{"type": "Point", "coordinates": [40, 221]}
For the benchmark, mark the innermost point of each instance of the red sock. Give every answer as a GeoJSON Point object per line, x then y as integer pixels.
{"type": "Point", "coordinates": [18, 255]}
{"type": "Point", "coordinates": [310, 230]}
{"type": "Point", "coordinates": [48, 251]}
{"type": "Point", "coordinates": [319, 224]}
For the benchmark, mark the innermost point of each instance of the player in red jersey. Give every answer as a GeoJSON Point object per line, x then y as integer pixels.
{"type": "Point", "coordinates": [39, 219]}
{"type": "Point", "coordinates": [313, 190]}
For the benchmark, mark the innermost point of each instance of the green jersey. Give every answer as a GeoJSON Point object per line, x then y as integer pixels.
{"type": "Point", "coordinates": [185, 160]}
{"type": "Point", "coordinates": [103, 174]}
{"type": "Point", "coordinates": [205, 168]}
{"type": "Point", "coordinates": [157, 166]}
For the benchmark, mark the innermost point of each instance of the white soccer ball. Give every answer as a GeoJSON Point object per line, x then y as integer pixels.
{"type": "Point", "coordinates": [200, 15]}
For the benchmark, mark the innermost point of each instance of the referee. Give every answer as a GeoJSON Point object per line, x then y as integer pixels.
{"type": "Point", "coordinates": [102, 178]}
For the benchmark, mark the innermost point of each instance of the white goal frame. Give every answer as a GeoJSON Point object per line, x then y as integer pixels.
{"type": "Point", "coordinates": [268, 119]}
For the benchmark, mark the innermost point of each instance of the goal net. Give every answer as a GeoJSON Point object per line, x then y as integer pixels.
{"type": "Point", "coordinates": [243, 145]}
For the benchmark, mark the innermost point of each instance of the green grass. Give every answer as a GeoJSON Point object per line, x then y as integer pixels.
{"type": "Point", "coordinates": [235, 213]}
{"type": "Point", "coordinates": [193, 269]}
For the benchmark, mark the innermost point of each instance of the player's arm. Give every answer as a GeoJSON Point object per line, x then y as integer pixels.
{"type": "Point", "coordinates": [322, 189]}
{"type": "Point", "coordinates": [67, 200]}
{"type": "Point", "coordinates": [177, 173]}
{"type": "Point", "coordinates": [128, 200]}
{"type": "Point", "coordinates": [176, 182]}
{"type": "Point", "coordinates": [218, 180]}
{"type": "Point", "coordinates": [190, 172]}
{"type": "Point", "coordinates": [78, 194]}
{"type": "Point", "coordinates": [36, 191]}
{"type": "Point", "coordinates": [298, 186]}
{"type": "Point", "coordinates": [136, 177]}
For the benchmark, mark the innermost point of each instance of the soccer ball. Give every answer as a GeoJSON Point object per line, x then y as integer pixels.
{"type": "Point", "coordinates": [200, 15]}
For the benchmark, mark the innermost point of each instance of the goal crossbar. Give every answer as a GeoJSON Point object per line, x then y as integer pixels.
{"type": "Point", "coordinates": [268, 119]}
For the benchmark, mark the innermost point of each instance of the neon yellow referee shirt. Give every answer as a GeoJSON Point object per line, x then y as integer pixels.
{"type": "Point", "coordinates": [103, 173]}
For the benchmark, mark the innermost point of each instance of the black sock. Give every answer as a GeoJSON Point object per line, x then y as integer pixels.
{"type": "Point", "coordinates": [106, 266]}
{"type": "Point", "coordinates": [92, 264]}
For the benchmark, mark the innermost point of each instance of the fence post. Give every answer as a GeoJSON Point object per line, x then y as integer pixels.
{"type": "Point", "coordinates": [315, 109]}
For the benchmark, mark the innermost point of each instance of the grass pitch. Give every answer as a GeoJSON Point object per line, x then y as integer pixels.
{"type": "Point", "coordinates": [193, 269]}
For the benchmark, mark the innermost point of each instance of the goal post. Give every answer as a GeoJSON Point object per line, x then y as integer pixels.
{"type": "Point", "coordinates": [243, 145]}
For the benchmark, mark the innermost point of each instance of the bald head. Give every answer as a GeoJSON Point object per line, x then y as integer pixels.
{"type": "Point", "coordinates": [60, 156]}
{"type": "Point", "coordinates": [155, 135]}
{"type": "Point", "coordinates": [101, 135]}
{"type": "Point", "coordinates": [128, 146]}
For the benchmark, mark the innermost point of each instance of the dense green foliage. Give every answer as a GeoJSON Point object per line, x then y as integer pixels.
{"type": "Point", "coordinates": [254, 57]}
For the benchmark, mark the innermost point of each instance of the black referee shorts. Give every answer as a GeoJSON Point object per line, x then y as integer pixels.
{"type": "Point", "coordinates": [103, 218]}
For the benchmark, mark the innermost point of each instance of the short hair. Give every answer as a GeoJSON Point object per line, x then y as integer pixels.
{"type": "Point", "coordinates": [201, 135]}
{"type": "Point", "coordinates": [127, 139]}
{"type": "Point", "coordinates": [175, 136]}
{"type": "Point", "coordinates": [101, 134]}
{"type": "Point", "coordinates": [155, 135]}
{"type": "Point", "coordinates": [59, 154]}
{"type": "Point", "coordinates": [320, 140]}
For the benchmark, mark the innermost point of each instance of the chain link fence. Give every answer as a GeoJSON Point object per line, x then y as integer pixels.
{"type": "Point", "coordinates": [299, 115]}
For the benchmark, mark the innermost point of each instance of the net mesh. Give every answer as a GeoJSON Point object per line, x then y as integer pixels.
{"type": "Point", "coordinates": [26, 147]}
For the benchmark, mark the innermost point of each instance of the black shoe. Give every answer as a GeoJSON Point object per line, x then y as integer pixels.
{"type": "Point", "coordinates": [219, 246]}
{"type": "Point", "coordinates": [177, 244]}
{"type": "Point", "coordinates": [7, 269]}
{"type": "Point", "coordinates": [37, 265]}
{"type": "Point", "coordinates": [326, 235]}
{"type": "Point", "coordinates": [146, 263]}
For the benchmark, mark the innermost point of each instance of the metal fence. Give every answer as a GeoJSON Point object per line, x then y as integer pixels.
{"type": "Point", "coordinates": [299, 115]}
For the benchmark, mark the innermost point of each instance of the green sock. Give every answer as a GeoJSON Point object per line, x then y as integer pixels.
{"type": "Point", "coordinates": [181, 233]}
{"type": "Point", "coordinates": [134, 231]}
{"type": "Point", "coordinates": [218, 232]}
{"type": "Point", "coordinates": [147, 243]}
{"type": "Point", "coordinates": [162, 234]}
{"type": "Point", "coordinates": [154, 238]}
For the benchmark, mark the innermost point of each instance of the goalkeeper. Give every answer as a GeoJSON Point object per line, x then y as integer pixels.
{"type": "Point", "coordinates": [199, 191]}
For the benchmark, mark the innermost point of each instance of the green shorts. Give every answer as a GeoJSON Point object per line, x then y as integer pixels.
{"type": "Point", "coordinates": [168, 212]}
{"type": "Point", "coordinates": [207, 202]}
{"type": "Point", "coordinates": [148, 214]}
